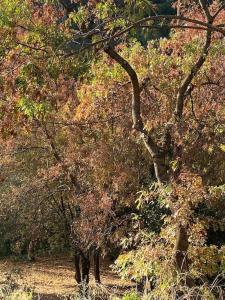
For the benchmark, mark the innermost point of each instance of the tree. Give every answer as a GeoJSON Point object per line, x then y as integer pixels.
{"type": "Point", "coordinates": [160, 153]}
{"type": "Point", "coordinates": [69, 78]}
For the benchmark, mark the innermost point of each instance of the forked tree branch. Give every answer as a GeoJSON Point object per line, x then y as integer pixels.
{"type": "Point", "coordinates": [155, 151]}
{"type": "Point", "coordinates": [142, 22]}
{"type": "Point", "coordinates": [205, 9]}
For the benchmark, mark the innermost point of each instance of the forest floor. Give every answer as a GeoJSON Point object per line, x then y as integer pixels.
{"type": "Point", "coordinates": [52, 278]}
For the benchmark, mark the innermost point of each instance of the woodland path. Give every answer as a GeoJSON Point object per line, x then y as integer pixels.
{"type": "Point", "coordinates": [52, 278]}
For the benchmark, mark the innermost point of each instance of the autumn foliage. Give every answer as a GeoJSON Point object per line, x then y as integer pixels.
{"type": "Point", "coordinates": [112, 137]}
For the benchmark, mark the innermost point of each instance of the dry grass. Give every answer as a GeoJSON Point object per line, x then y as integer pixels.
{"type": "Point", "coordinates": [54, 276]}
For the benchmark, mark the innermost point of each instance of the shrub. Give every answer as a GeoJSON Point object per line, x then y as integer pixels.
{"type": "Point", "coordinates": [19, 295]}
{"type": "Point", "coordinates": [131, 296]}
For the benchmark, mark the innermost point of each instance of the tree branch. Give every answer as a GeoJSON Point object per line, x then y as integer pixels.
{"type": "Point", "coordinates": [155, 151]}
{"type": "Point", "coordinates": [136, 98]}
{"type": "Point", "coordinates": [205, 9]}
{"type": "Point", "coordinates": [181, 95]}
{"type": "Point", "coordinates": [218, 11]}
{"type": "Point", "coordinates": [30, 46]}
{"type": "Point", "coordinates": [177, 26]}
{"type": "Point", "coordinates": [217, 28]}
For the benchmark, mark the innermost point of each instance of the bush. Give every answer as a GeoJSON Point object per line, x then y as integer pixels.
{"type": "Point", "coordinates": [19, 295]}
{"type": "Point", "coordinates": [10, 290]}
{"type": "Point", "coordinates": [131, 296]}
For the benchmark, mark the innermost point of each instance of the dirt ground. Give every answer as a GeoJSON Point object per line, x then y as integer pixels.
{"type": "Point", "coordinates": [50, 277]}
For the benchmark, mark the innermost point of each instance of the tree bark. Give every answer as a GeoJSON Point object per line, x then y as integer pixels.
{"type": "Point", "coordinates": [181, 247]}
{"type": "Point", "coordinates": [157, 153]}
{"type": "Point", "coordinates": [77, 268]}
{"type": "Point", "coordinates": [96, 260]}
{"type": "Point", "coordinates": [85, 266]}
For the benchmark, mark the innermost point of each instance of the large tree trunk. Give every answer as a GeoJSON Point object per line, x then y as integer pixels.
{"type": "Point", "coordinates": [182, 244]}
{"type": "Point", "coordinates": [157, 153]}
{"type": "Point", "coordinates": [96, 260]}
{"type": "Point", "coordinates": [158, 156]}
{"type": "Point", "coordinates": [77, 268]}
{"type": "Point", "coordinates": [181, 257]}
{"type": "Point", "coordinates": [85, 266]}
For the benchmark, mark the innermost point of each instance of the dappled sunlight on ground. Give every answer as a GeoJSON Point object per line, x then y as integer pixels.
{"type": "Point", "coordinates": [54, 276]}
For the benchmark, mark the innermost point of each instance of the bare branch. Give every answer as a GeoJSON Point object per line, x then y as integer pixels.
{"type": "Point", "coordinates": [31, 46]}
{"type": "Point", "coordinates": [188, 79]}
{"type": "Point", "coordinates": [205, 25]}
{"type": "Point", "coordinates": [176, 26]}
{"type": "Point", "coordinates": [218, 11]}
{"type": "Point", "coordinates": [168, 17]}
{"type": "Point", "coordinates": [205, 9]}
